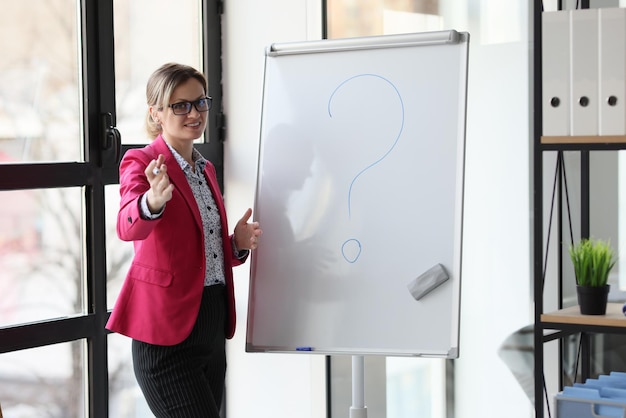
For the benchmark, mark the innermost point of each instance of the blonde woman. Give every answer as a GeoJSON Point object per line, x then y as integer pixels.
{"type": "Point", "coordinates": [177, 301]}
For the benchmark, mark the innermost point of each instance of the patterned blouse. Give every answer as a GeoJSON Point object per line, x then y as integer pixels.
{"type": "Point", "coordinates": [211, 221]}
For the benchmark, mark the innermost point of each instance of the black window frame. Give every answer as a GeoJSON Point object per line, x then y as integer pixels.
{"type": "Point", "coordinates": [102, 152]}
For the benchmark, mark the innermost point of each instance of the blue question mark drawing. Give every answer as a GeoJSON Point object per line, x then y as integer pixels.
{"type": "Point", "coordinates": [351, 248]}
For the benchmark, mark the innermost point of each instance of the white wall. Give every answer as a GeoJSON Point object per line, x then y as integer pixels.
{"type": "Point", "coordinates": [496, 298]}
{"type": "Point", "coordinates": [496, 289]}
{"type": "Point", "coordinates": [495, 295]}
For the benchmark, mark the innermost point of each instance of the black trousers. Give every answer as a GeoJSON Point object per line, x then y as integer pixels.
{"type": "Point", "coordinates": [187, 380]}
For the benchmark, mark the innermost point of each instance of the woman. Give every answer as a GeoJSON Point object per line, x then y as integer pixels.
{"type": "Point", "coordinates": [177, 302]}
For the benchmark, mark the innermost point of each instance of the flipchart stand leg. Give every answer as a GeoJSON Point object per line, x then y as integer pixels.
{"type": "Point", "coordinates": [358, 408]}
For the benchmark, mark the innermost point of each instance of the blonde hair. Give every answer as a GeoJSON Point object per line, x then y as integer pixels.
{"type": "Point", "coordinates": [162, 84]}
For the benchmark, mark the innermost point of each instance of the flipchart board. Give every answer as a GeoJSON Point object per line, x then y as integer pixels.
{"type": "Point", "coordinates": [360, 197]}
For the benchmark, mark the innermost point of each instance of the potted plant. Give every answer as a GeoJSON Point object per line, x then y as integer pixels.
{"type": "Point", "coordinates": [593, 260]}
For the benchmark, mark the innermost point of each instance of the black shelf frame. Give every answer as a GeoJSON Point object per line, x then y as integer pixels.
{"type": "Point", "coordinates": [556, 331]}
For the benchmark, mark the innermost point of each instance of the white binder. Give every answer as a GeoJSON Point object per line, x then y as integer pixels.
{"type": "Point", "coordinates": [555, 59]}
{"type": "Point", "coordinates": [612, 69]}
{"type": "Point", "coordinates": [584, 72]}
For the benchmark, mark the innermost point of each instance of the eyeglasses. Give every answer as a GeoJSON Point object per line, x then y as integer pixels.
{"type": "Point", "coordinates": [183, 108]}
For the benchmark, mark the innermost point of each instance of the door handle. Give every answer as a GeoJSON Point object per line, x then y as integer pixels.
{"type": "Point", "coordinates": [111, 138]}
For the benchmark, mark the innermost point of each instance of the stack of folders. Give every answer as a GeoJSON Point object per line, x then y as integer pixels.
{"type": "Point", "coordinates": [583, 72]}
{"type": "Point", "coordinates": [604, 397]}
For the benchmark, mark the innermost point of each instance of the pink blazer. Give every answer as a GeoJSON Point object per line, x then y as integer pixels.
{"type": "Point", "coordinates": [160, 297]}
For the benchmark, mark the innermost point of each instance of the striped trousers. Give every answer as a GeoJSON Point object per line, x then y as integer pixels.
{"type": "Point", "coordinates": [187, 380]}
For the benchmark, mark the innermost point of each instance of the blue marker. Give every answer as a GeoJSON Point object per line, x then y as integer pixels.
{"type": "Point", "coordinates": [624, 309]}
{"type": "Point", "coordinates": [304, 348]}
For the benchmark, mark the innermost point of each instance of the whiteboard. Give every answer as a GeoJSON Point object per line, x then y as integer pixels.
{"type": "Point", "coordinates": [359, 192]}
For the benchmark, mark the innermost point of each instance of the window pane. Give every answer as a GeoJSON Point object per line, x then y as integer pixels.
{"type": "Point", "coordinates": [44, 382]}
{"type": "Point", "coordinates": [119, 253]}
{"type": "Point", "coordinates": [125, 397]}
{"type": "Point", "coordinates": [415, 387]}
{"type": "Point", "coordinates": [149, 33]}
{"type": "Point", "coordinates": [39, 85]}
{"type": "Point", "coordinates": [350, 18]}
{"type": "Point", "coordinates": [373, 380]}
{"type": "Point", "coordinates": [41, 254]}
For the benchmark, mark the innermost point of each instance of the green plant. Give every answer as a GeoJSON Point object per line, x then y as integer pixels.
{"type": "Point", "coordinates": [593, 260]}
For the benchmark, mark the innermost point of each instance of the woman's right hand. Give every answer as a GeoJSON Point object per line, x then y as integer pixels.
{"type": "Point", "coordinates": [160, 187]}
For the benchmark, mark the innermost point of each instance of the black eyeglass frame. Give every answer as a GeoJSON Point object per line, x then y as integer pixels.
{"type": "Point", "coordinates": [195, 104]}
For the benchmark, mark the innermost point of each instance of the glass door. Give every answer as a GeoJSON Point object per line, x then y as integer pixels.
{"type": "Point", "coordinates": [72, 82]}
{"type": "Point", "coordinates": [148, 34]}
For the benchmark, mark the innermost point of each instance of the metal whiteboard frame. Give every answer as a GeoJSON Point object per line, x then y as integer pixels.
{"type": "Point", "coordinates": [367, 43]}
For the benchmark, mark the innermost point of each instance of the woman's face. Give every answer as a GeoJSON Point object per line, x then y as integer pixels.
{"type": "Point", "coordinates": [183, 128]}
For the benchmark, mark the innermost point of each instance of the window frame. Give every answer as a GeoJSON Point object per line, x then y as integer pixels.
{"type": "Point", "coordinates": [99, 169]}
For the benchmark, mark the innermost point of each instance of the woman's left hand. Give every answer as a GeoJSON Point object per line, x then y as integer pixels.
{"type": "Point", "coordinates": [247, 234]}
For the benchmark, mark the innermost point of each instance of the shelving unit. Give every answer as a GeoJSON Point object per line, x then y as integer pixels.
{"type": "Point", "coordinates": [567, 321]}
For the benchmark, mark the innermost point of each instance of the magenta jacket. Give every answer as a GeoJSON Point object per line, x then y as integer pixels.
{"type": "Point", "coordinates": [160, 298]}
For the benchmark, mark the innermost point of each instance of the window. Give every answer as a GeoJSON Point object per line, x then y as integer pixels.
{"type": "Point", "coordinates": [71, 72]}
{"type": "Point", "coordinates": [40, 84]}
{"type": "Point", "coordinates": [351, 18]}
{"type": "Point", "coordinates": [44, 381]}
{"type": "Point", "coordinates": [138, 52]}
{"type": "Point", "coordinates": [148, 34]}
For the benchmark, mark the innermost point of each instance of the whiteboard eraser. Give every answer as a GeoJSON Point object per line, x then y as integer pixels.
{"type": "Point", "coordinates": [427, 281]}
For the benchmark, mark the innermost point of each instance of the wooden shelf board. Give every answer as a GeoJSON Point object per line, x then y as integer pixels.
{"type": "Point", "coordinates": [604, 139]}
{"type": "Point", "coordinates": [613, 318]}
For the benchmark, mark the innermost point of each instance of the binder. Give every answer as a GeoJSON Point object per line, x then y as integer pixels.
{"type": "Point", "coordinates": [612, 69]}
{"type": "Point", "coordinates": [555, 57]}
{"type": "Point", "coordinates": [584, 72]}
